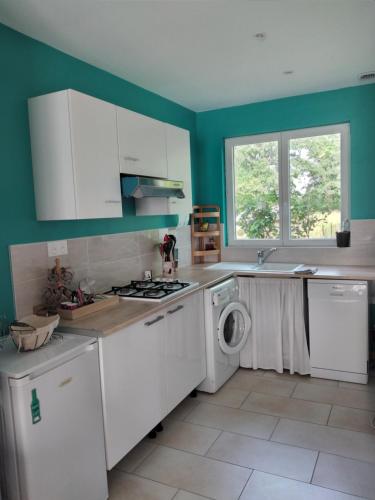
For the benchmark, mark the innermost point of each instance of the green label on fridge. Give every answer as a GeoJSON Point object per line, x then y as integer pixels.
{"type": "Point", "coordinates": [35, 407]}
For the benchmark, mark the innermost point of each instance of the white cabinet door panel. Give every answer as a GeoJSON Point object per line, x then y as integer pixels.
{"type": "Point", "coordinates": [95, 157]}
{"type": "Point", "coordinates": [185, 353]}
{"type": "Point", "coordinates": [132, 385]}
{"type": "Point", "coordinates": [142, 144]}
{"type": "Point", "coordinates": [179, 168]}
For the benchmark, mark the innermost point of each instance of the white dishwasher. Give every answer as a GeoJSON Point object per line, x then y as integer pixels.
{"type": "Point", "coordinates": [338, 327]}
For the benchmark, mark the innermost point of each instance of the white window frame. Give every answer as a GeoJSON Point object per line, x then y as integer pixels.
{"type": "Point", "coordinates": [284, 194]}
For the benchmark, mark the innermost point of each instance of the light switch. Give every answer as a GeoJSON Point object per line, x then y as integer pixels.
{"type": "Point", "coordinates": [56, 248]}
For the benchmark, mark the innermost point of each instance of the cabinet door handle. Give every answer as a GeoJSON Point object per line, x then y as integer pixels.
{"type": "Point", "coordinates": [131, 158]}
{"type": "Point", "coordinates": [112, 201]}
{"type": "Point", "coordinates": [153, 321]}
{"type": "Point", "coordinates": [178, 308]}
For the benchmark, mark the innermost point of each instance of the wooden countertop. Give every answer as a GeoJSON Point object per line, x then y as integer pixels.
{"type": "Point", "coordinates": [127, 312]}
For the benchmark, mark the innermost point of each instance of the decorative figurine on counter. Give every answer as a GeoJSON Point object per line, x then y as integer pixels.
{"type": "Point", "coordinates": [57, 291]}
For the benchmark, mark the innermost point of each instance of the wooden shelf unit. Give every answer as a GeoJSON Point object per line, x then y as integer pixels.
{"type": "Point", "coordinates": [199, 238]}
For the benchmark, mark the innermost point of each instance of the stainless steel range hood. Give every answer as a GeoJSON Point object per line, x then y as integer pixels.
{"type": "Point", "coordinates": [142, 187]}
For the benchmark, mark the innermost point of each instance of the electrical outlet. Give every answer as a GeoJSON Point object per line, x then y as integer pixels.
{"type": "Point", "coordinates": [56, 248]}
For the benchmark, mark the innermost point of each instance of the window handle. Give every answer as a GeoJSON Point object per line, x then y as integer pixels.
{"type": "Point", "coordinates": [131, 158]}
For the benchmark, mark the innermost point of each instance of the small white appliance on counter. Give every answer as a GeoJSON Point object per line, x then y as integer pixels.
{"type": "Point", "coordinates": [338, 327]}
{"type": "Point", "coordinates": [52, 440]}
{"type": "Point", "coordinates": [227, 325]}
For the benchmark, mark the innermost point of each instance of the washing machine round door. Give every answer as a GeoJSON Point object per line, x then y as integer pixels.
{"type": "Point", "coordinates": [233, 328]}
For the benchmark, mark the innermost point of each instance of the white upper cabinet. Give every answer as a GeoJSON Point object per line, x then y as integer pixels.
{"type": "Point", "coordinates": [75, 157]}
{"type": "Point", "coordinates": [142, 144]}
{"type": "Point", "coordinates": [179, 168]}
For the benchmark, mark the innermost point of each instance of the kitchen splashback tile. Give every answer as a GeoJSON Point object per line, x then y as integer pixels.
{"type": "Point", "coordinates": [116, 273]}
{"type": "Point", "coordinates": [28, 262]}
{"type": "Point", "coordinates": [362, 250]}
{"type": "Point", "coordinates": [109, 259]}
{"type": "Point", "coordinates": [113, 247]}
{"type": "Point", "coordinates": [27, 295]}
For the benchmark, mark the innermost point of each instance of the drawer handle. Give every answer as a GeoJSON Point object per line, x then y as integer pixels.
{"type": "Point", "coordinates": [336, 294]}
{"type": "Point", "coordinates": [131, 158]}
{"type": "Point", "coordinates": [152, 322]}
{"type": "Point", "coordinates": [178, 308]}
{"type": "Point", "coordinates": [112, 201]}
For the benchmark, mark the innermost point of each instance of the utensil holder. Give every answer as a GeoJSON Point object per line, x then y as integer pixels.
{"type": "Point", "coordinates": [168, 268]}
{"type": "Point", "coordinates": [343, 239]}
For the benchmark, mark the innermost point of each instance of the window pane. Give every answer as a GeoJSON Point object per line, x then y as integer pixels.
{"type": "Point", "coordinates": [315, 192]}
{"type": "Point", "coordinates": [256, 191]}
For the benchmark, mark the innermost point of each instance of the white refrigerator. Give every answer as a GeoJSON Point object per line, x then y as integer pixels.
{"type": "Point", "coordinates": [52, 440]}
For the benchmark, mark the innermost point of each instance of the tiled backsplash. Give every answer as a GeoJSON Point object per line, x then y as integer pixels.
{"type": "Point", "coordinates": [119, 258]}
{"type": "Point", "coordinates": [360, 253]}
{"type": "Point", "coordinates": [109, 260]}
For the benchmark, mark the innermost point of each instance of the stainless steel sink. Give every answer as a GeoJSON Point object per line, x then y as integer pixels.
{"type": "Point", "coordinates": [268, 267]}
{"type": "Point", "coordinates": [232, 266]}
{"type": "Point", "coordinates": [277, 267]}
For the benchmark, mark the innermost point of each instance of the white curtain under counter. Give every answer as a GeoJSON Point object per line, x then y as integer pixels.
{"type": "Point", "coordinates": [277, 338]}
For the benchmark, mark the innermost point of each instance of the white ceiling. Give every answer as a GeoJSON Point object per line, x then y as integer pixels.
{"type": "Point", "coordinates": [203, 53]}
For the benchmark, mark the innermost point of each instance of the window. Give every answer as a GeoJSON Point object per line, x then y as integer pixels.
{"type": "Point", "coordinates": [287, 188]}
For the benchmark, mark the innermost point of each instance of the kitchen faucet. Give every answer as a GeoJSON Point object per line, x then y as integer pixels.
{"type": "Point", "coordinates": [264, 253]}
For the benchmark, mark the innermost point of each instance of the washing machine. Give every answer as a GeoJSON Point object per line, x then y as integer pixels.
{"type": "Point", "coordinates": [227, 324]}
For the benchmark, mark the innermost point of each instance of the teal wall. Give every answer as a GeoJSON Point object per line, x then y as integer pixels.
{"type": "Point", "coordinates": [355, 105]}
{"type": "Point", "coordinates": [29, 68]}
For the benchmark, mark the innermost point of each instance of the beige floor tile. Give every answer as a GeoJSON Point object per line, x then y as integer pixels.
{"type": "Point", "coordinates": [350, 476]}
{"type": "Point", "coordinates": [262, 486]}
{"type": "Point", "coordinates": [287, 461]}
{"type": "Point", "coordinates": [186, 436]}
{"type": "Point", "coordinates": [225, 396]}
{"type": "Point", "coordinates": [183, 409]}
{"type": "Point", "coordinates": [351, 444]}
{"type": "Point", "coordinates": [287, 407]}
{"type": "Point", "coordinates": [364, 400]}
{"type": "Point", "coordinates": [131, 461]}
{"type": "Point", "coordinates": [244, 379]}
{"type": "Point", "coordinates": [199, 475]}
{"type": "Point", "coordinates": [317, 393]}
{"type": "Point", "coordinates": [250, 382]}
{"type": "Point", "coordinates": [351, 418]}
{"type": "Point", "coordinates": [129, 487]}
{"type": "Point", "coordinates": [185, 495]}
{"type": "Point", "coordinates": [344, 397]}
{"type": "Point", "coordinates": [233, 420]}
{"type": "Point", "coordinates": [296, 377]}
{"type": "Point", "coordinates": [359, 387]}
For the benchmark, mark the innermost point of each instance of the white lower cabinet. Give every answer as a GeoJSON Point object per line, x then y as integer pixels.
{"type": "Point", "coordinates": [147, 369]}
{"type": "Point", "coordinates": [132, 384]}
{"type": "Point", "coordinates": [185, 349]}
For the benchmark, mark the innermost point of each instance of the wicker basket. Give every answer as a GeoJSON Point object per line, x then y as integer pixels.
{"type": "Point", "coordinates": [33, 331]}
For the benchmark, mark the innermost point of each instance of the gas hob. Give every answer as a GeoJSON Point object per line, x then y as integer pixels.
{"type": "Point", "coordinates": [153, 290]}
